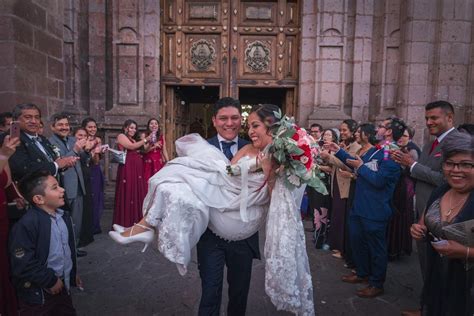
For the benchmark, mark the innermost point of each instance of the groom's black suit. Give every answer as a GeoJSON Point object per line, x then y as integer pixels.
{"type": "Point", "coordinates": [215, 252]}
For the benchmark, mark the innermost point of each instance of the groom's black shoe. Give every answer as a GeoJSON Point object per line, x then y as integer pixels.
{"type": "Point", "coordinates": [81, 253]}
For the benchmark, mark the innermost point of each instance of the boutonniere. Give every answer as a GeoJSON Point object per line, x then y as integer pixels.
{"type": "Point", "coordinates": [56, 150]}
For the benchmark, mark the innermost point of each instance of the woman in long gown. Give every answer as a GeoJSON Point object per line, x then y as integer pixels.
{"type": "Point", "coordinates": [399, 238]}
{"type": "Point", "coordinates": [449, 284]}
{"type": "Point", "coordinates": [195, 191]}
{"type": "Point", "coordinates": [155, 155]}
{"type": "Point", "coordinates": [340, 190]}
{"type": "Point", "coordinates": [8, 303]}
{"type": "Point", "coordinates": [130, 187]}
{"type": "Point", "coordinates": [96, 175]}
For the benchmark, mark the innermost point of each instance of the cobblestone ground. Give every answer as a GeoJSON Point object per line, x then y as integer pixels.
{"type": "Point", "coordinates": [123, 281]}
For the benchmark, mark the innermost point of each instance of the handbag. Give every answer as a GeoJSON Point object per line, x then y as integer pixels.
{"type": "Point", "coordinates": [118, 156]}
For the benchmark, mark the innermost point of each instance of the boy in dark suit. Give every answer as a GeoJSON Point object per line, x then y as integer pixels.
{"type": "Point", "coordinates": [214, 252]}
{"type": "Point", "coordinates": [42, 250]}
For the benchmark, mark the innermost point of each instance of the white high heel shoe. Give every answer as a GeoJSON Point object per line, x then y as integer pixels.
{"type": "Point", "coordinates": [118, 228]}
{"type": "Point", "coordinates": [145, 237]}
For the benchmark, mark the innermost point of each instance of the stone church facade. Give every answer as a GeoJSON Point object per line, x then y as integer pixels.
{"type": "Point", "coordinates": [320, 60]}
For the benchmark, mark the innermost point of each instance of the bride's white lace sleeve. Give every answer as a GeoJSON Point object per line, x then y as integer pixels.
{"type": "Point", "coordinates": [287, 274]}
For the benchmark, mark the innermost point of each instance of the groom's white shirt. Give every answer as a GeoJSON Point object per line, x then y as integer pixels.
{"type": "Point", "coordinates": [234, 148]}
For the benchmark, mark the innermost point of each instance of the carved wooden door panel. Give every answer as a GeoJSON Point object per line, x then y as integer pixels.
{"type": "Point", "coordinates": [229, 44]}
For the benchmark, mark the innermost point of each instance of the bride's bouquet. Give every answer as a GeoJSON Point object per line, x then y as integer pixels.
{"type": "Point", "coordinates": [292, 149]}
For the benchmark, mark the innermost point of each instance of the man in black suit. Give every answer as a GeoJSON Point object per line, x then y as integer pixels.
{"type": "Point", "coordinates": [35, 151]}
{"type": "Point", "coordinates": [214, 252]}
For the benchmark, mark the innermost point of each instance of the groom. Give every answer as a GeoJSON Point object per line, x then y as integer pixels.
{"type": "Point", "coordinates": [215, 252]}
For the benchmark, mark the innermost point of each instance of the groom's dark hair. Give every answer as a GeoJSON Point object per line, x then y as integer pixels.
{"type": "Point", "coordinates": [225, 102]}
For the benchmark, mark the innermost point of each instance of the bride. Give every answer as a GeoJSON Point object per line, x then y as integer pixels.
{"type": "Point", "coordinates": [200, 190]}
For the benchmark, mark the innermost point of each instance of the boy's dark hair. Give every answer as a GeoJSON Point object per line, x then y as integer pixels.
{"type": "Point", "coordinates": [316, 125]}
{"type": "Point", "coordinates": [59, 116]}
{"type": "Point", "coordinates": [4, 116]}
{"type": "Point", "coordinates": [33, 184]}
{"type": "Point", "coordinates": [24, 106]}
{"type": "Point", "coordinates": [398, 127]}
{"type": "Point", "coordinates": [444, 105]}
{"type": "Point", "coordinates": [225, 102]}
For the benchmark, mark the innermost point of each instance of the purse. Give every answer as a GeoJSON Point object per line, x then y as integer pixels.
{"type": "Point", "coordinates": [118, 156]}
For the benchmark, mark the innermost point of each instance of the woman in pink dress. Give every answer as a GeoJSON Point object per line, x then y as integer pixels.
{"type": "Point", "coordinates": [155, 154]}
{"type": "Point", "coordinates": [130, 187]}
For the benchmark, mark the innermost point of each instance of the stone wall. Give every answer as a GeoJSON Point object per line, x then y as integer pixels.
{"type": "Point", "coordinates": [368, 59]}
{"type": "Point", "coordinates": [31, 50]}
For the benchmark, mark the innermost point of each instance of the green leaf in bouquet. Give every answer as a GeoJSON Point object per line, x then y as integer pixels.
{"type": "Point", "coordinates": [277, 114]}
{"type": "Point", "coordinates": [279, 156]}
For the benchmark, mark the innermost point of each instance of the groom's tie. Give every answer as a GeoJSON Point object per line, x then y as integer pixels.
{"type": "Point", "coordinates": [226, 149]}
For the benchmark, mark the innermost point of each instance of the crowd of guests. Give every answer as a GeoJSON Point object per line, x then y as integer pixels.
{"type": "Point", "coordinates": [384, 192]}
{"type": "Point", "coordinates": [374, 175]}
{"type": "Point", "coordinates": [61, 180]}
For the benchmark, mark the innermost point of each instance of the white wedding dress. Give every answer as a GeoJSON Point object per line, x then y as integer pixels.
{"type": "Point", "coordinates": [194, 191]}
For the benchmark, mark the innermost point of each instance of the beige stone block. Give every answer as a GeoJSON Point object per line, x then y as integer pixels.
{"type": "Point", "coordinates": [308, 49]}
{"type": "Point", "coordinates": [364, 25]}
{"type": "Point", "coordinates": [330, 94]}
{"type": "Point", "coordinates": [326, 24]}
{"type": "Point", "coordinates": [420, 52]}
{"type": "Point", "coordinates": [418, 74]}
{"type": "Point", "coordinates": [306, 94]}
{"type": "Point", "coordinates": [151, 25]}
{"type": "Point", "coordinates": [360, 93]}
{"type": "Point", "coordinates": [330, 52]}
{"type": "Point", "coordinates": [452, 74]}
{"type": "Point", "coordinates": [463, 10]}
{"type": "Point", "coordinates": [417, 94]}
{"type": "Point", "coordinates": [338, 22]}
{"type": "Point", "coordinates": [332, 6]}
{"type": "Point", "coordinates": [307, 72]}
{"type": "Point", "coordinates": [309, 26]}
{"type": "Point", "coordinates": [367, 49]}
{"type": "Point", "coordinates": [309, 7]}
{"type": "Point", "coordinates": [457, 96]}
{"type": "Point", "coordinates": [442, 93]}
{"type": "Point", "coordinates": [447, 9]}
{"type": "Point", "coordinates": [422, 9]}
{"type": "Point", "coordinates": [422, 31]}
{"type": "Point", "coordinates": [456, 31]}
{"type": "Point", "coordinates": [456, 53]}
{"type": "Point", "coordinates": [358, 50]}
{"type": "Point", "coordinates": [331, 71]}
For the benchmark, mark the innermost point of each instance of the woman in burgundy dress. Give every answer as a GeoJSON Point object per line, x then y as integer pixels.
{"type": "Point", "coordinates": [130, 187]}
{"type": "Point", "coordinates": [399, 238]}
{"type": "Point", "coordinates": [8, 303]}
{"type": "Point", "coordinates": [96, 175]}
{"type": "Point", "coordinates": [155, 154]}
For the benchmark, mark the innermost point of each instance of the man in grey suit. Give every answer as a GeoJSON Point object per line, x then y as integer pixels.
{"type": "Point", "coordinates": [439, 116]}
{"type": "Point", "coordinates": [71, 179]}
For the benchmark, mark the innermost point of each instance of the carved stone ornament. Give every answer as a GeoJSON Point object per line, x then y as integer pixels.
{"type": "Point", "coordinates": [203, 54]}
{"type": "Point", "coordinates": [257, 56]}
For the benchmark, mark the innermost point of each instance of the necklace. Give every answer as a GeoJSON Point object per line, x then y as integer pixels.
{"type": "Point", "coordinates": [451, 207]}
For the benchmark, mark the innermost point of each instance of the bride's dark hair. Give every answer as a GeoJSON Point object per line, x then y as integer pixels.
{"type": "Point", "coordinates": [266, 112]}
